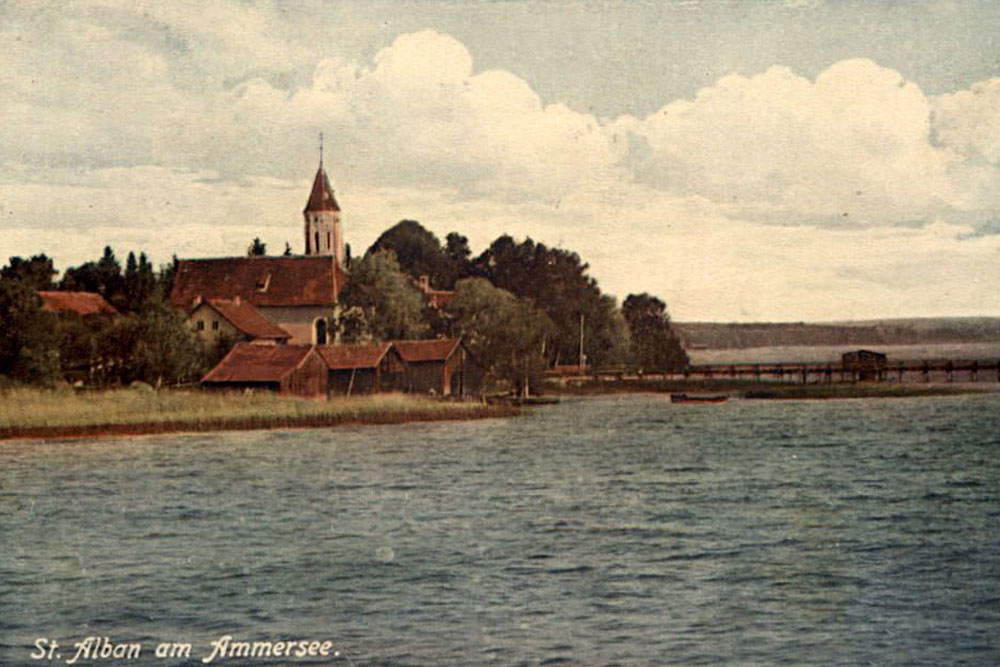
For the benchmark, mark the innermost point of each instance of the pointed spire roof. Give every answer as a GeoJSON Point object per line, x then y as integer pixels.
{"type": "Point", "coordinates": [321, 198]}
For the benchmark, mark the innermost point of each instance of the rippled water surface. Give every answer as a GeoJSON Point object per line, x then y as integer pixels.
{"type": "Point", "coordinates": [601, 531]}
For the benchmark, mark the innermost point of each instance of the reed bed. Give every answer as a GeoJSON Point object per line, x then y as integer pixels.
{"type": "Point", "coordinates": [41, 413]}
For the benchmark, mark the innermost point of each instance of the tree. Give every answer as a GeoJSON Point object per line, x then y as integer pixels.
{"type": "Point", "coordinates": [385, 298]}
{"type": "Point", "coordinates": [28, 346]}
{"type": "Point", "coordinates": [418, 252]}
{"type": "Point", "coordinates": [256, 248]}
{"type": "Point", "coordinates": [35, 272]}
{"type": "Point", "coordinates": [103, 276]}
{"type": "Point", "coordinates": [505, 333]}
{"type": "Point", "coordinates": [154, 345]}
{"type": "Point", "coordinates": [556, 281]}
{"type": "Point", "coordinates": [654, 345]}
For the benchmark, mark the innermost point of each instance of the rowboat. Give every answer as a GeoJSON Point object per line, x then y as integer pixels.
{"type": "Point", "coordinates": [698, 398]}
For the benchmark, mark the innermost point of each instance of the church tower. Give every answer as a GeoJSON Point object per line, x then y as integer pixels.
{"type": "Point", "coordinates": [324, 234]}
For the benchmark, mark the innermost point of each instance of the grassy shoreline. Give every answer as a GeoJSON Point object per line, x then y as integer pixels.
{"type": "Point", "coordinates": [35, 414]}
{"type": "Point", "coordinates": [770, 391]}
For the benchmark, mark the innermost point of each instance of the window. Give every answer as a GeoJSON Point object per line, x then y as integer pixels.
{"type": "Point", "coordinates": [317, 241]}
{"type": "Point", "coordinates": [320, 331]}
{"type": "Point", "coordinates": [215, 325]}
{"type": "Point", "coordinates": [201, 325]}
{"type": "Point", "coordinates": [328, 244]}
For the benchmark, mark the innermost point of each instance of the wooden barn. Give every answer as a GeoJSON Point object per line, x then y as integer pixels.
{"type": "Point", "coordinates": [362, 368]}
{"type": "Point", "coordinates": [291, 370]}
{"type": "Point", "coordinates": [864, 365]}
{"type": "Point", "coordinates": [442, 367]}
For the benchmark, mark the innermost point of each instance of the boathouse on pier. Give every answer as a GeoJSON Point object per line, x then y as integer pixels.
{"type": "Point", "coordinates": [362, 368]}
{"type": "Point", "coordinates": [291, 370]}
{"type": "Point", "coordinates": [864, 365]}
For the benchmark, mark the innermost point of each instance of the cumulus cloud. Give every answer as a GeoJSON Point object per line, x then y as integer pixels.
{"type": "Point", "coordinates": [163, 131]}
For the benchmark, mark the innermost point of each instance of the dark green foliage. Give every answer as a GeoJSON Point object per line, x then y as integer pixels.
{"type": "Point", "coordinates": [103, 276]}
{"type": "Point", "coordinates": [256, 248]}
{"type": "Point", "coordinates": [380, 302]}
{"type": "Point", "coordinates": [35, 272]}
{"type": "Point", "coordinates": [419, 253]}
{"type": "Point", "coordinates": [556, 281]}
{"type": "Point", "coordinates": [154, 345]}
{"type": "Point", "coordinates": [503, 332]}
{"type": "Point", "coordinates": [28, 346]}
{"type": "Point", "coordinates": [654, 345]}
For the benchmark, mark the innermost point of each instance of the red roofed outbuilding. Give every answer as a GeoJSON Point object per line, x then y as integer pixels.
{"type": "Point", "coordinates": [443, 367]}
{"type": "Point", "coordinates": [363, 368]}
{"type": "Point", "coordinates": [294, 370]}
{"type": "Point", "coordinates": [80, 303]}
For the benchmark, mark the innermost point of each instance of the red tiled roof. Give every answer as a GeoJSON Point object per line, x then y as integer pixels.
{"type": "Point", "coordinates": [248, 319]}
{"type": "Point", "coordinates": [357, 355]}
{"type": "Point", "coordinates": [439, 298]}
{"type": "Point", "coordinates": [258, 363]}
{"type": "Point", "coordinates": [426, 350]}
{"type": "Point", "coordinates": [321, 198]}
{"type": "Point", "coordinates": [262, 281]}
{"type": "Point", "coordinates": [81, 303]}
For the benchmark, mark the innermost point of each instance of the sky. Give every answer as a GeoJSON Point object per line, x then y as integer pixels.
{"type": "Point", "coordinates": [776, 160]}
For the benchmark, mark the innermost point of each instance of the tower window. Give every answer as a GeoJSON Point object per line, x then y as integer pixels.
{"type": "Point", "coordinates": [317, 241]}
{"type": "Point", "coordinates": [328, 240]}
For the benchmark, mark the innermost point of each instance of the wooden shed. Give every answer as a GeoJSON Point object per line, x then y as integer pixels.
{"type": "Point", "coordinates": [292, 370]}
{"type": "Point", "coordinates": [864, 365]}
{"type": "Point", "coordinates": [443, 367]}
{"type": "Point", "coordinates": [362, 368]}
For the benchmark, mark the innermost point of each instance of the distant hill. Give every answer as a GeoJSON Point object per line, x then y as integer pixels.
{"type": "Point", "coordinates": [899, 331]}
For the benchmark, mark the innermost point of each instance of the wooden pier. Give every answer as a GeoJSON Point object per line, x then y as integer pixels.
{"type": "Point", "coordinates": [923, 370]}
{"type": "Point", "coordinates": [920, 370]}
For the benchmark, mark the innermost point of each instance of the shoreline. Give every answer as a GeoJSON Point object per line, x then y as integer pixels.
{"type": "Point", "coordinates": [106, 430]}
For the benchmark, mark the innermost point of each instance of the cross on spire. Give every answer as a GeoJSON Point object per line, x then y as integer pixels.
{"type": "Point", "coordinates": [321, 149]}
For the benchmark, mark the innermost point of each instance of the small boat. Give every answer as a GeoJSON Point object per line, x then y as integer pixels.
{"type": "Point", "coordinates": [698, 398]}
{"type": "Point", "coordinates": [507, 399]}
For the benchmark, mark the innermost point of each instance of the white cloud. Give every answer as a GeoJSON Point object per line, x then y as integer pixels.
{"type": "Point", "coordinates": [765, 196]}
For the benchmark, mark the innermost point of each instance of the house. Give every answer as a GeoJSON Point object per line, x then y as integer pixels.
{"type": "Point", "coordinates": [291, 370]}
{"type": "Point", "coordinates": [235, 320]}
{"type": "Point", "coordinates": [443, 367]}
{"type": "Point", "coordinates": [79, 303]}
{"type": "Point", "coordinates": [299, 294]}
{"type": "Point", "coordinates": [436, 298]}
{"type": "Point", "coordinates": [864, 365]}
{"type": "Point", "coordinates": [363, 368]}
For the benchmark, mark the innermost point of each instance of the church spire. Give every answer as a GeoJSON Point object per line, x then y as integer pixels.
{"type": "Point", "coordinates": [323, 232]}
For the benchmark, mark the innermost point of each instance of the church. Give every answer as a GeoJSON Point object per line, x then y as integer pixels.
{"type": "Point", "coordinates": [257, 298]}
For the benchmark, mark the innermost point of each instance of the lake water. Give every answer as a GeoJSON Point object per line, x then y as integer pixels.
{"type": "Point", "coordinates": [603, 531]}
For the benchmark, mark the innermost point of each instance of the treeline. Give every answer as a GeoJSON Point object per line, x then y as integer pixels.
{"type": "Point", "coordinates": [149, 342]}
{"type": "Point", "coordinates": [521, 307]}
{"type": "Point", "coordinates": [712, 335]}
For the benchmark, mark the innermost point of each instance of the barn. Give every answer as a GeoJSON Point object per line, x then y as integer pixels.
{"type": "Point", "coordinates": [362, 368]}
{"type": "Point", "coordinates": [443, 367]}
{"type": "Point", "coordinates": [290, 370]}
{"type": "Point", "coordinates": [864, 365]}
